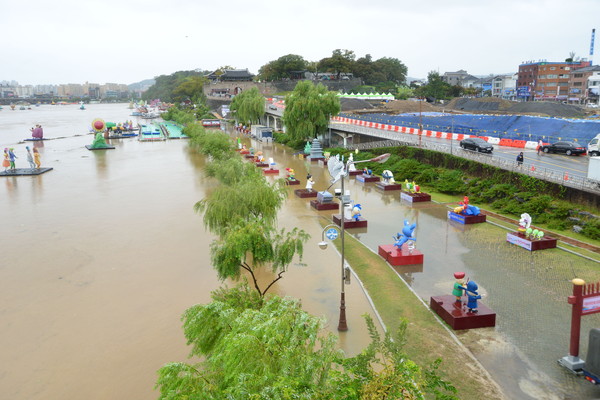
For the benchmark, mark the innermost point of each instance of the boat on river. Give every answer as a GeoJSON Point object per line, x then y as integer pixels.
{"type": "Point", "coordinates": [151, 132]}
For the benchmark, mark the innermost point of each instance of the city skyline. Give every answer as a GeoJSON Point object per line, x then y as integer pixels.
{"type": "Point", "coordinates": [127, 42]}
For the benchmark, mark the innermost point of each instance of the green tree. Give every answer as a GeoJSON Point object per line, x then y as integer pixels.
{"type": "Point", "coordinates": [269, 348]}
{"type": "Point", "coordinates": [404, 93]}
{"type": "Point", "coordinates": [248, 106]}
{"type": "Point", "coordinates": [435, 88]}
{"type": "Point", "coordinates": [282, 67]}
{"type": "Point", "coordinates": [192, 88]}
{"type": "Point", "coordinates": [165, 85]}
{"type": "Point", "coordinates": [308, 110]}
{"type": "Point", "coordinates": [339, 62]}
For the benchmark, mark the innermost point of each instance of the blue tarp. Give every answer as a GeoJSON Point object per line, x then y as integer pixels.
{"type": "Point", "coordinates": [520, 127]}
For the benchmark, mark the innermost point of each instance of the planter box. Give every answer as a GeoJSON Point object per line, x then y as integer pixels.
{"type": "Point", "coordinates": [415, 197]}
{"type": "Point", "coordinates": [316, 204]}
{"type": "Point", "coordinates": [532, 245]}
{"type": "Point", "coordinates": [466, 219]}
{"type": "Point", "coordinates": [367, 178]}
{"type": "Point", "coordinates": [396, 256]}
{"type": "Point", "coordinates": [388, 186]}
{"type": "Point", "coordinates": [349, 223]}
{"type": "Point", "coordinates": [457, 315]}
{"type": "Point", "coordinates": [305, 193]}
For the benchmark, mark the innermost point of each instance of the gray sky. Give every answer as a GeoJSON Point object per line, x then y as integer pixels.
{"type": "Point", "coordinates": [126, 41]}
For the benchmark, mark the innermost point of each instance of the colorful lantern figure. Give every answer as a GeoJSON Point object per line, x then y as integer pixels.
{"type": "Point", "coordinates": [524, 223]}
{"type": "Point", "coordinates": [457, 291]}
{"type": "Point", "coordinates": [98, 125]}
{"type": "Point", "coordinates": [388, 177]}
{"type": "Point", "coordinates": [406, 235]}
{"type": "Point", "coordinates": [472, 296]}
{"type": "Point", "coordinates": [309, 182]}
{"type": "Point", "coordinates": [465, 208]}
{"type": "Point", "coordinates": [291, 174]}
{"type": "Point", "coordinates": [367, 171]}
{"type": "Point", "coordinates": [356, 212]}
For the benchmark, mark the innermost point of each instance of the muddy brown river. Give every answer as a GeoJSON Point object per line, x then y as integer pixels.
{"type": "Point", "coordinates": [101, 256]}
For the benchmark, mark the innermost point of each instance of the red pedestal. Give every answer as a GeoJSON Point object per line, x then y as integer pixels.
{"type": "Point", "coordinates": [290, 182]}
{"type": "Point", "coordinates": [323, 162]}
{"type": "Point", "coordinates": [367, 178]}
{"type": "Point", "coordinates": [249, 156]}
{"type": "Point", "coordinates": [466, 219]}
{"type": "Point", "coordinates": [532, 245]}
{"type": "Point", "coordinates": [388, 186]}
{"type": "Point", "coordinates": [324, 206]}
{"type": "Point", "coordinates": [355, 172]}
{"type": "Point", "coordinates": [262, 165]}
{"type": "Point", "coordinates": [457, 315]}
{"type": "Point", "coordinates": [349, 223]}
{"type": "Point", "coordinates": [415, 197]}
{"type": "Point", "coordinates": [396, 256]}
{"type": "Point", "coordinates": [304, 193]}
{"type": "Point", "coordinates": [315, 159]}
{"type": "Point", "coordinates": [244, 152]}
{"type": "Point", "coordinates": [270, 171]}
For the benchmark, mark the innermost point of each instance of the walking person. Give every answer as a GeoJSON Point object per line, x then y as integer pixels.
{"type": "Point", "coordinates": [539, 148]}
{"type": "Point", "coordinates": [520, 158]}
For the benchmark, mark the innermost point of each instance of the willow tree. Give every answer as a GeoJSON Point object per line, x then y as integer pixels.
{"type": "Point", "coordinates": [308, 110]}
{"type": "Point", "coordinates": [248, 106]}
{"type": "Point", "coordinates": [242, 211]}
{"type": "Point", "coordinates": [269, 348]}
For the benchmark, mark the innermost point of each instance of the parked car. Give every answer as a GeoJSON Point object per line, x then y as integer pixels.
{"type": "Point", "coordinates": [567, 148]}
{"type": "Point", "coordinates": [476, 144]}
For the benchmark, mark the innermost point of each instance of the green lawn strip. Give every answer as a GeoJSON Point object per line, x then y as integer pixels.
{"type": "Point", "coordinates": [427, 339]}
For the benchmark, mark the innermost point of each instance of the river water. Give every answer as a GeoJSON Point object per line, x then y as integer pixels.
{"type": "Point", "coordinates": [102, 255]}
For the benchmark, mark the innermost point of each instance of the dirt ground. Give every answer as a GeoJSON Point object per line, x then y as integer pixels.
{"type": "Point", "coordinates": [486, 105]}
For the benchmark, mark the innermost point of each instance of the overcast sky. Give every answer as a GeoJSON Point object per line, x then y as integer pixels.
{"type": "Point", "coordinates": [126, 41]}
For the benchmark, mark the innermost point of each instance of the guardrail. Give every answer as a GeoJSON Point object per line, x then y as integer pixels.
{"type": "Point", "coordinates": [402, 139]}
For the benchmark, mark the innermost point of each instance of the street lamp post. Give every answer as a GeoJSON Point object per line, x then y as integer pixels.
{"type": "Point", "coordinates": [332, 229]}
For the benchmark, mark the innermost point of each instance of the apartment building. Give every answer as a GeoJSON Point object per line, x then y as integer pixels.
{"type": "Point", "coordinates": [460, 78]}
{"type": "Point", "coordinates": [545, 80]}
{"type": "Point", "coordinates": [583, 85]}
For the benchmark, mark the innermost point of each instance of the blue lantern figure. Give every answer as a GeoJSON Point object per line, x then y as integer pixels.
{"type": "Point", "coordinates": [407, 234]}
{"type": "Point", "coordinates": [356, 212]}
{"type": "Point", "coordinates": [472, 296]}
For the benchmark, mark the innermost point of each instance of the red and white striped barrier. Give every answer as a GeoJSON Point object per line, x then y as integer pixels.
{"type": "Point", "coordinates": [521, 144]}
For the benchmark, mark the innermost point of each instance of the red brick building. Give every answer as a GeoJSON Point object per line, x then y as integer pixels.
{"type": "Point", "coordinates": [545, 80]}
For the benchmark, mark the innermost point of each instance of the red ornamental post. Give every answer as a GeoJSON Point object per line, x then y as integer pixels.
{"type": "Point", "coordinates": [576, 300]}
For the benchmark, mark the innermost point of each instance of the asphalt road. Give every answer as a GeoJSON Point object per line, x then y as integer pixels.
{"type": "Point", "coordinates": [573, 165]}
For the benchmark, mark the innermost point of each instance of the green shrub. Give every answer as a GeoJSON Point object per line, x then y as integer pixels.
{"type": "Point", "coordinates": [450, 181]}
{"type": "Point", "coordinates": [592, 229]}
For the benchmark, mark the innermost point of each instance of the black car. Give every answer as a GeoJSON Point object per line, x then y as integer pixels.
{"type": "Point", "coordinates": [567, 148]}
{"type": "Point", "coordinates": [476, 144]}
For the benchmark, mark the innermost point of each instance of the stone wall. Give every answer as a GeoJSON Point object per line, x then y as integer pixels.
{"type": "Point", "coordinates": [271, 88]}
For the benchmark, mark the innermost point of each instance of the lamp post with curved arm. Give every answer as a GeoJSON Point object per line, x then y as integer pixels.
{"type": "Point", "coordinates": [332, 235]}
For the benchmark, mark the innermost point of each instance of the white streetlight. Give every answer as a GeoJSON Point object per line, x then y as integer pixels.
{"type": "Point", "coordinates": [339, 170]}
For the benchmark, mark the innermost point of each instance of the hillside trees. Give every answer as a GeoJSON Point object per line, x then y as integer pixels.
{"type": "Point", "coordinates": [165, 85]}
{"type": "Point", "coordinates": [282, 68]}
{"type": "Point", "coordinates": [308, 110]}
{"type": "Point", "coordinates": [248, 106]}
